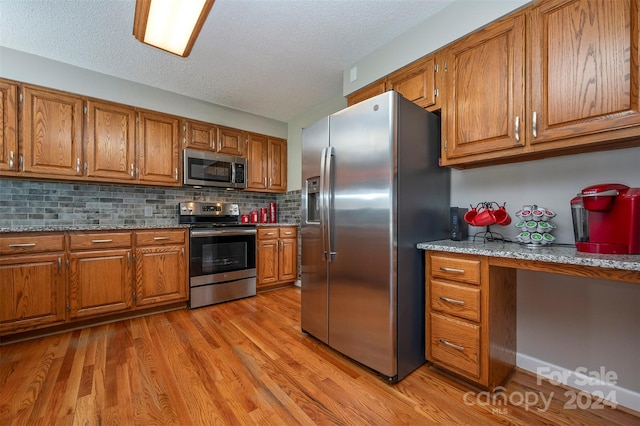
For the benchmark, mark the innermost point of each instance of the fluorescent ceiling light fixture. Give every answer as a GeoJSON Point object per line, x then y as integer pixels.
{"type": "Point", "coordinates": [171, 25]}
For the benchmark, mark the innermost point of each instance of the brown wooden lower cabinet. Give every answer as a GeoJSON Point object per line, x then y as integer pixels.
{"type": "Point", "coordinates": [31, 292]}
{"type": "Point", "coordinates": [161, 266]}
{"type": "Point", "coordinates": [470, 317]}
{"type": "Point", "coordinates": [100, 273]}
{"type": "Point", "coordinates": [277, 261]}
{"type": "Point", "coordinates": [60, 279]}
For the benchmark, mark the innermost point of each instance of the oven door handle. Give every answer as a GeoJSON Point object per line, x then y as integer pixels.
{"type": "Point", "coordinates": [201, 233]}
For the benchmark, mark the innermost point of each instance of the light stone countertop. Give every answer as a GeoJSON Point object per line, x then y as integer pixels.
{"type": "Point", "coordinates": [555, 253]}
{"type": "Point", "coordinates": [114, 227]}
{"type": "Point", "coordinates": [60, 228]}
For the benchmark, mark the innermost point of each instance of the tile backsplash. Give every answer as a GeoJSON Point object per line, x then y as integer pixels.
{"type": "Point", "coordinates": [51, 203]}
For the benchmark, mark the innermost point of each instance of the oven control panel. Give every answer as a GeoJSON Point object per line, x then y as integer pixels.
{"type": "Point", "coordinates": [195, 208]}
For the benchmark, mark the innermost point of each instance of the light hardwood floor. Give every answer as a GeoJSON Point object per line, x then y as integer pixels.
{"type": "Point", "coordinates": [238, 363]}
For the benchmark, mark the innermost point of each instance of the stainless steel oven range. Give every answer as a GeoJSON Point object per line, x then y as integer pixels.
{"type": "Point", "coordinates": [222, 262]}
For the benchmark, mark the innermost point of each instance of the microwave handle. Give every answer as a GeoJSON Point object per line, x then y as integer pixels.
{"type": "Point", "coordinates": [233, 172]}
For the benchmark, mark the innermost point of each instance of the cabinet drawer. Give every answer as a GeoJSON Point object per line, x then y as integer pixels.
{"type": "Point", "coordinates": [99, 240]}
{"type": "Point", "coordinates": [455, 299]}
{"type": "Point", "coordinates": [455, 343]}
{"type": "Point", "coordinates": [27, 243]}
{"type": "Point", "coordinates": [288, 232]}
{"type": "Point", "coordinates": [267, 233]}
{"type": "Point", "coordinates": [159, 237]}
{"type": "Point", "coordinates": [455, 268]}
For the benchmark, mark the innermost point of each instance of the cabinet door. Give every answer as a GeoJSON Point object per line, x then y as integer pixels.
{"type": "Point", "coordinates": [100, 282]}
{"type": "Point", "coordinates": [416, 83]}
{"type": "Point", "coordinates": [277, 166]}
{"type": "Point", "coordinates": [8, 136]}
{"type": "Point", "coordinates": [200, 135]}
{"type": "Point", "coordinates": [158, 146]}
{"type": "Point", "coordinates": [288, 259]}
{"type": "Point", "coordinates": [584, 68]}
{"type": "Point", "coordinates": [257, 154]}
{"type": "Point", "coordinates": [373, 89]}
{"type": "Point", "coordinates": [267, 262]}
{"type": "Point", "coordinates": [485, 91]}
{"type": "Point", "coordinates": [51, 133]}
{"type": "Point", "coordinates": [31, 292]}
{"type": "Point", "coordinates": [231, 141]}
{"type": "Point", "coordinates": [160, 275]}
{"type": "Point", "coordinates": [110, 141]}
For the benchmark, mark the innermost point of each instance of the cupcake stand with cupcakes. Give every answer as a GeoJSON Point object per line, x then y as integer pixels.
{"type": "Point", "coordinates": [535, 226]}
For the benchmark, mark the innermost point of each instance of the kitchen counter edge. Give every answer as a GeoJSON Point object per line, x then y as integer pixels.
{"type": "Point", "coordinates": [563, 254]}
{"type": "Point", "coordinates": [62, 228]}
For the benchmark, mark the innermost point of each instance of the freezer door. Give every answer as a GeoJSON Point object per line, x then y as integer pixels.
{"type": "Point", "coordinates": [314, 298]}
{"type": "Point", "coordinates": [362, 316]}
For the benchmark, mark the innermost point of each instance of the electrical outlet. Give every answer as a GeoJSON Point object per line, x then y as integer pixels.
{"type": "Point", "coordinates": [148, 211]}
{"type": "Point", "coordinates": [353, 74]}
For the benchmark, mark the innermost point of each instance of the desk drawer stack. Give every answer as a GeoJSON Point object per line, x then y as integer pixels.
{"type": "Point", "coordinates": [470, 317]}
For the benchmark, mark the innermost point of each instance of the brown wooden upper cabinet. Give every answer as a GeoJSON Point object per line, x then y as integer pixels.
{"type": "Point", "coordinates": [158, 148]}
{"type": "Point", "coordinates": [584, 75]}
{"type": "Point", "coordinates": [417, 82]}
{"type": "Point", "coordinates": [369, 91]}
{"type": "Point", "coordinates": [8, 137]}
{"type": "Point", "coordinates": [199, 135]}
{"type": "Point", "coordinates": [576, 90]}
{"type": "Point", "coordinates": [51, 129]}
{"type": "Point", "coordinates": [111, 141]}
{"type": "Point", "coordinates": [231, 141]}
{"type": "Point", "coordinates": [484, 111]}
{"type": "Point", "coordinates": [267, 163]}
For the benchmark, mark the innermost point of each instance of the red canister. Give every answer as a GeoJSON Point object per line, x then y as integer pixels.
{"type": "Point", "coordinates": [254, 216]}
{"type": "Point", "coordinates": [263, 215]}
{"type": "Point", "coordinates": [272, 212]}
{"type": "Point", "coordinates": [245, 218]}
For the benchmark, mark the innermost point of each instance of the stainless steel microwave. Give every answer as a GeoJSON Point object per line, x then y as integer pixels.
{"type": "Point", "coordinates": [202, 168]}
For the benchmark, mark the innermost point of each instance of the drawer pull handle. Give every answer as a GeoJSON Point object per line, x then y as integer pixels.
{"type": "Point", "coordinates": [101, 241]}
{"type": "Point", "coordinates": [23, 245]}
{"type": "Point", "coordinates": [454, 301]}
{"type": "Point", "coordinates": [288, 233]}
{"type": "Point", "coordinates": [444, 342]}
{"type": "Point", "coordinates": [269, 233]}
{"type": "Point", "coordinates": [454, 270]}
{"type": "Point", "coordinates": [160, 238]}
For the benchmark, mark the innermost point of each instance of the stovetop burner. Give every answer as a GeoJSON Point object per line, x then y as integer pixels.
{"type": "Point", "coordinates": [211, 215]}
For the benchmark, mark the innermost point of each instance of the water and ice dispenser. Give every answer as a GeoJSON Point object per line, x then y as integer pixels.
{"type": "Point", "coordinates": [313, 199]}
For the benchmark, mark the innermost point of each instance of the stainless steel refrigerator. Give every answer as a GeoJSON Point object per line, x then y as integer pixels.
{"type": "Point", "coordinates": [371, 190]}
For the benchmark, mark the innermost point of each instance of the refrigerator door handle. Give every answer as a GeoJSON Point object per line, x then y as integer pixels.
{"type": "Point", "coordinates": [323, 166]}
{"type": "Point", "coordinates": [329, 203]}
{"type": "Point", "coordinates": [325, 203]}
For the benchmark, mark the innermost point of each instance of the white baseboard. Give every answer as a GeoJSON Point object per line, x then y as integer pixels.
{"type": "Point", "coordinates": [601, 384]}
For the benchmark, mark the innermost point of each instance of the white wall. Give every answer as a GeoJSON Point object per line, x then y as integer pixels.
{"type": "Point", "coordinates": [24, 67]}
{"type": "Point", "coordinates": [566, 321]}
{"type": "Point", "coordinates": [294, 144]}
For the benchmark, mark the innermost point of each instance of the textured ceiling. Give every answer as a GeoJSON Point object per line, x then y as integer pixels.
{"type": "Point", "coordinates": [273, 58]}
